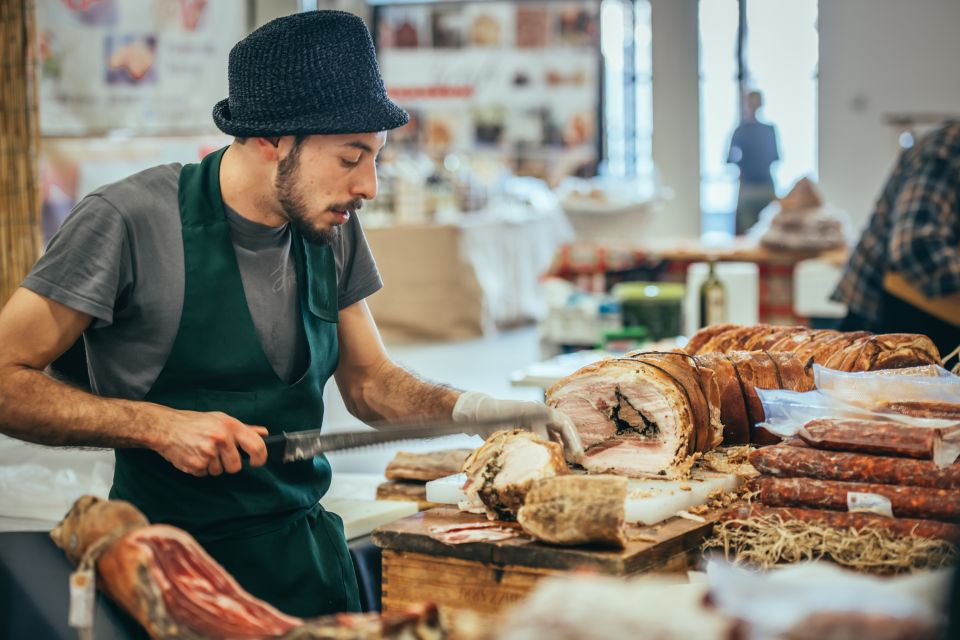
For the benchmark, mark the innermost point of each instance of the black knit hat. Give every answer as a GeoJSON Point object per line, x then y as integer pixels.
{"type": "Point", "coordinates": [307, 73]}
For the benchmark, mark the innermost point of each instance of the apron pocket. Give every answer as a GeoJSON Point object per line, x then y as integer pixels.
{"type": "Point", "coordinates": [241, 405]}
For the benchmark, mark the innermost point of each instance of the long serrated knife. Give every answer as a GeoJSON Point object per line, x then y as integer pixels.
{"type": "Point", "coordinates": [301, 445]}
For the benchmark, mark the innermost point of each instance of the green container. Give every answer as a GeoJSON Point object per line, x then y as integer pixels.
{"type": "Point", "coordinates": [623, 340]}
{"type": "Point", "coordinates": [658, 306]}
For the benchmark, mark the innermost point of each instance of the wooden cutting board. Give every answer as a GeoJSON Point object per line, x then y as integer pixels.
{"type": "Point", "coordinates": [485, 576]}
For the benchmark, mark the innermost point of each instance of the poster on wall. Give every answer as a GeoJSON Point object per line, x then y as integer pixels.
{"type": "Point", "coordinates": [143, 66]}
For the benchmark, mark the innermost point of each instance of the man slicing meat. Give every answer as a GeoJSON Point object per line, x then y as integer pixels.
{"type": "Point", "coordinates": [216, 299]}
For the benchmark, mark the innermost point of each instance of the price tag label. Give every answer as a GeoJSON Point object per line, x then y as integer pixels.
{"type": "Point", "coordinates": [858, 502]}
{"type": "Point", "coordinates": [83, 596]}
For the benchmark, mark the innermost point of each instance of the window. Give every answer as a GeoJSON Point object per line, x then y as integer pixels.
{"type": "Point", "coordinates": [779, 59]}
{"type": "Point", "coordinates": [625, 42]}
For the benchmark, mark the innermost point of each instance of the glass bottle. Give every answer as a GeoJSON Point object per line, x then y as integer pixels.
{"type": "Point", "coordinates": [713, 299]}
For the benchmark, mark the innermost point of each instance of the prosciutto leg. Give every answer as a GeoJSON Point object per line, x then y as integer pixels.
{"type": "Point", "coordinates": [163, 578]}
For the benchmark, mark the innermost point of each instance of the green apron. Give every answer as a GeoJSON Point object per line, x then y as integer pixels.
{"type": "Point", "coordinates": [264, 525]}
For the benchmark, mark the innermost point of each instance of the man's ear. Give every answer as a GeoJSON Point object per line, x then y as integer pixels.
{"type": "Point", "coordinates": [268, 148]}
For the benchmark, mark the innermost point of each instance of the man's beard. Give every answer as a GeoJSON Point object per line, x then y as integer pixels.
{"type": "Point", "coordinates": [294, 204]}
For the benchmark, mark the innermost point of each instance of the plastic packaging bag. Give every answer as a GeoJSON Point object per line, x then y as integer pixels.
{"type": "Point", "coordinates": [787, 411]}
{"type": "Point", "coordinates": [773, 602]}
{"type": "Point", "coordinates": [874, 390]}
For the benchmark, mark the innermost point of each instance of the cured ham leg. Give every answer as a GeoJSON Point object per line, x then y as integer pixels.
{"type": "Point", "coordinates": [171, 586]}
{"type": "Point", "coordinates": [163, 578]}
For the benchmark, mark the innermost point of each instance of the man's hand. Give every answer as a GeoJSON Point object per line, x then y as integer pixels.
{"type": "Point", "coordinates": [209, 443]}
{"type": "Point", "coordinates": [475, 406]}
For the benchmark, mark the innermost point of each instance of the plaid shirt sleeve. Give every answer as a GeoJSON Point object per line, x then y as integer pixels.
{"type": "Point", "coordinates": [924, 244]}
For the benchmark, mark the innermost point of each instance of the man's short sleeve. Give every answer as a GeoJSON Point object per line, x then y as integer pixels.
{"type": "Point", "coordinates": [357, 270]}
{"type": "Point", "coordinates": [86, 265]}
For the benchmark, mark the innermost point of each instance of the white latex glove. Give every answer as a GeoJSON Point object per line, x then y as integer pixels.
{"type": "Point", "coordinates": [475, 406]}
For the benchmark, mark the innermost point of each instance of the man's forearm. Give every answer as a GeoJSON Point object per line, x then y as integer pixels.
{"type": "Point", "coordinates": [36, 408]}
{"type": "Point", "coordinates": [394, 393]}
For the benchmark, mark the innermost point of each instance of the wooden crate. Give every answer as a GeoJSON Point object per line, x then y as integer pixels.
{"type": "Point", "coordinates": [488, 576]}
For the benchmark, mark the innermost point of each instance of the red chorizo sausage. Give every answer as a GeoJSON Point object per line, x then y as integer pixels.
{"type": "Point", "coordinates": [899, 527]}
{"type": "Point", "coordinates": [871, 436]}
{"type": "Point", "coordinates": [921, 409]}
{"type": "Point", "coordinates": [789, 462]}
{"type": "Point", "coordinates": [907, 502]}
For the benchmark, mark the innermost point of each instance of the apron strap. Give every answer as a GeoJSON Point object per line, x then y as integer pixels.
{"type": "Point", "coordinates": [199, 195]}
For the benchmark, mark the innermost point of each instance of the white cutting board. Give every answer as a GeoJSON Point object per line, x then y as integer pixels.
{"type": "Point", "coordinates": [360, 517]}
{"type": "Point", "coordinates": [648, 501]}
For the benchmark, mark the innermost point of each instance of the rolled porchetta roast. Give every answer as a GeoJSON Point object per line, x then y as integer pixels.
{"type": "Point", "coordinates": [642, 415]}
{"type": "Point", "coordinates": [844, 351]}
{"type": "Point", "coordinates": [504, 468]}
{"type": "Point", "coordinates": [739, 374]}
{"type": "Point", "coordinates": [647, 413]}
{"type": "Point", "coordinates": [163, 578]}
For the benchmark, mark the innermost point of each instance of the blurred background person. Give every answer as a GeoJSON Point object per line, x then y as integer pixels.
{"type": "Point", "coordinates": [904, 275]}
{"type": "Point", "coordinates": [754, 149]}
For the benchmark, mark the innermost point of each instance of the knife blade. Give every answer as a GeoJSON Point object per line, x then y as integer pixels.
{"type": "Point", "coordinates": [302, 445]}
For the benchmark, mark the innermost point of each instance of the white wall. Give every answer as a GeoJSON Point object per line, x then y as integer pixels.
{"type": "Point", "coordinates": [878, 57]}
{"type": "Point", "coordinates": [266, 10]}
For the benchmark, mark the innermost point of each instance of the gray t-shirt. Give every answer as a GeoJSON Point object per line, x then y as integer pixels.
{"type": "Point", "coordinates": [119, 258]}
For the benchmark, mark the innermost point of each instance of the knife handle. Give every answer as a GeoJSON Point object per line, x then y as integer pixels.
{"type": "Point", "coordinates": [276, 448]}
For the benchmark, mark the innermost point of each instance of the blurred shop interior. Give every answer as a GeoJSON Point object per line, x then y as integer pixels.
{"type": "Point", "coordinates": [568, 180]}
{"type": "Point", "coordinates": [578, 180]}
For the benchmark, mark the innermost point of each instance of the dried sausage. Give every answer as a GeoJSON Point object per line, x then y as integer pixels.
{"type": "Point", "coordinates": [942, 410]}
{"type": "Point", "coordinates": [899, 527]}
{"type": "Point", "coordinates": [790, 462]}
{"type": "Point", "coordinates": [871, 436]}
{"type": "Point", "coordinates": [907, 502]}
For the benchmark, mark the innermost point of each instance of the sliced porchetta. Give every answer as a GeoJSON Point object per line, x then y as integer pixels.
{"type": "Point", "coordinates": [502, 470]}
{"type": "Point", "coordinates": [642, 415]}
{"type": "Point", "coordinates": [739, 374]}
